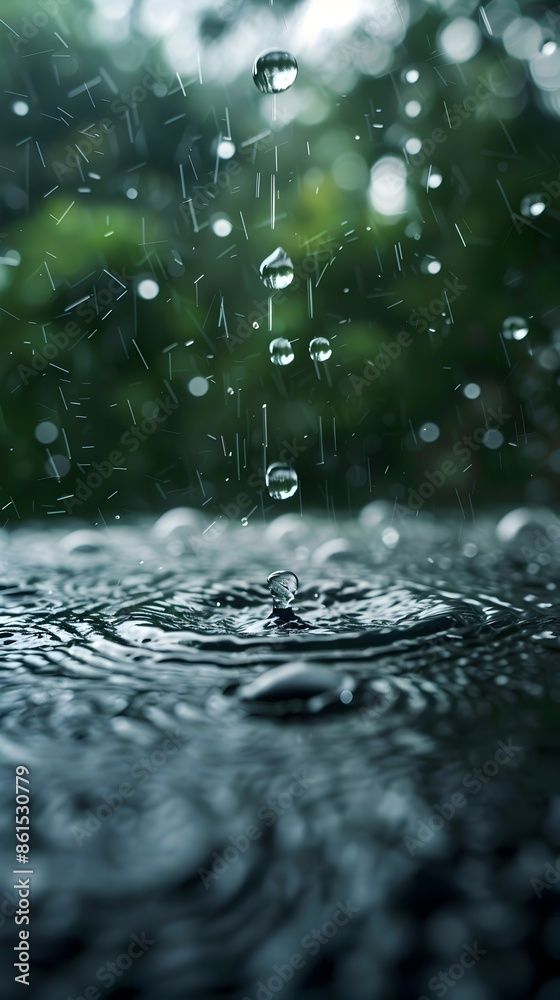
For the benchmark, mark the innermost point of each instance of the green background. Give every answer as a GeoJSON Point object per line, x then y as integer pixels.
{"type": "Point", "coordinates": [365, 272]}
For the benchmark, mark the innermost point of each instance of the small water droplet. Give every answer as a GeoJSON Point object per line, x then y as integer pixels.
{"type": "Point", "coordinates": [515, 328]}
{"type": "Point", "coordinates": [277, 270]}
{"type": "Point", "coordinates": [230, 391]}
{"type": "Point", "coordinates": [320, 349]}
{"type": "Point", "coordinates": [274, 71]}
{"type": "Point", "coordinates": [281, 480]}
{"type": "Point", "coordinates": [532, 205]}
{"type": "Point", "coordinates": [255, 325]}
{"type": "Point", "coordinates": [245, 521]}
{"type": "Point", "coordinates": [281, 351]}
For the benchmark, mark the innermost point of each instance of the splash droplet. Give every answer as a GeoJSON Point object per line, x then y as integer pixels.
{"type": "Point", "coordinates": [277, 270]}
{"type": "Point", "coordinates": [515, 328]}
{"type": "Point", "coordinates": [283, 585]}
{"type": "Point", "coordinates": [281, 351]}
{"type": "Point", "coordinates": [320, 349]}
{"type": "Point", "coordinates": [281, 480]}
{"type": "Point", "coordinates": [274, 71]}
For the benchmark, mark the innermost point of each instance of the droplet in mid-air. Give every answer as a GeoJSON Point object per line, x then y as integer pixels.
{"type": "Point", "coordinates": [277, 270]}
{"type": "Point", "coordinates": [320, 349]}
{"type": "Point", "coordinates": [274, 71]}
{"type": "Point", "coordinates": [281, 481]}
{"type": "Point", "coordinates": [281, 351]}
{"type": "Point", "coordinates": [532, 205]}
{"type": "Point", "coordinates": [515, 328]}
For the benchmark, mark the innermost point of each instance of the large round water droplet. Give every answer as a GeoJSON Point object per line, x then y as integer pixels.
{"type": "Point", "coordinates": [320, 349]}
{"type": "Point", "coordinates": [532, 205]}
{"type": "Point", "coordinates": [281, 351]}
{"type": "Point", "coordinates": [277, 271]}
{"type": "Point", "coordinates": [274, 71]}
{"type": "Point", "coordinates": [281, 480]}
{"type": "Point", "coordinates": [515, 328]}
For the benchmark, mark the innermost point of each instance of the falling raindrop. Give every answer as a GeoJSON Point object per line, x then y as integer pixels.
{"type": "Point", "coordinates": [20, 108]}
{"type": "Point", "coordinates": [147, 288]}
{"type": "Point", "coordinates": [515, 328]}
{"type": "Point", "coordinates": [274, 71]}
{"type": "Point", "coordinates": [277, 270]}
{"type": "Point", "coordinates": [320, 349]}
{"type": "Point", "coordinates": [281, 480]}
{"type": "Point", "coordinates": [532, 205]}
{"type": "Point", "coordinates": [281, 351]}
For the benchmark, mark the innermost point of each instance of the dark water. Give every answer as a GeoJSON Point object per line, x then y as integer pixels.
{"type": "Point", "coordinates": [127, 659]}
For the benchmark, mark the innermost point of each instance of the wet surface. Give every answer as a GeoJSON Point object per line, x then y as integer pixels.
{"type": "Point", "coordinates": [417, 662]}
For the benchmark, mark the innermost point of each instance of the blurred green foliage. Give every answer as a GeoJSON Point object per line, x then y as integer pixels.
{"type": "Point", "coordinates": [360, 276]}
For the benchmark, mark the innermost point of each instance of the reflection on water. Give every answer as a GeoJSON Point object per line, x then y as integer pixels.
{"type": "Point", "coordinates": [394, 756]}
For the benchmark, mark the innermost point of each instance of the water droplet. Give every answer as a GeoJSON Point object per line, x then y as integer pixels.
{"type": "Point", "coordinates": [147, 288]}
{"type": "Point", "coordinates": [221, 226]}
{"type": "Point", "coordinates": [532, 205]}
{"type": "Point", "coordinates": [515, 328]}
{"type": "Point", "coordinates": [198, 386]}
{"type": "Point", "coordinates": [411, 75]}
{"type": "Point", "coordinates": [255, 325]}
{"type": "Point", "coordinates": [320, 349]}
{"type": "Point", "coordinates": [46, 432]}
{"type": "Point", "coordinates": [281, 480]}
{"type": "Point", "coordinates": [274, 71]}
{"type": "Point", "coordinates": [20, 108]}
{"type": "Point", "coordinates": [471, 390]}
{"type": "Point", "coordinates": [283, 585]}
{"type": "Point", "coordinates": [245, 521]}
{"type": "Point", "coordinates": [412, 109]}
{"type": "Point", "coordinates": [277, 270]}
{"type": "Point", "coordinates": [225, 149]}
{"type": "Point", "coordinates": [429, 432]}
{"type": "Point", "coordinates": [296, 687]}
{"type": "Point", "coordinates": [230, 391]}
{"type": "Point", "coordinates": [281, 351]}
